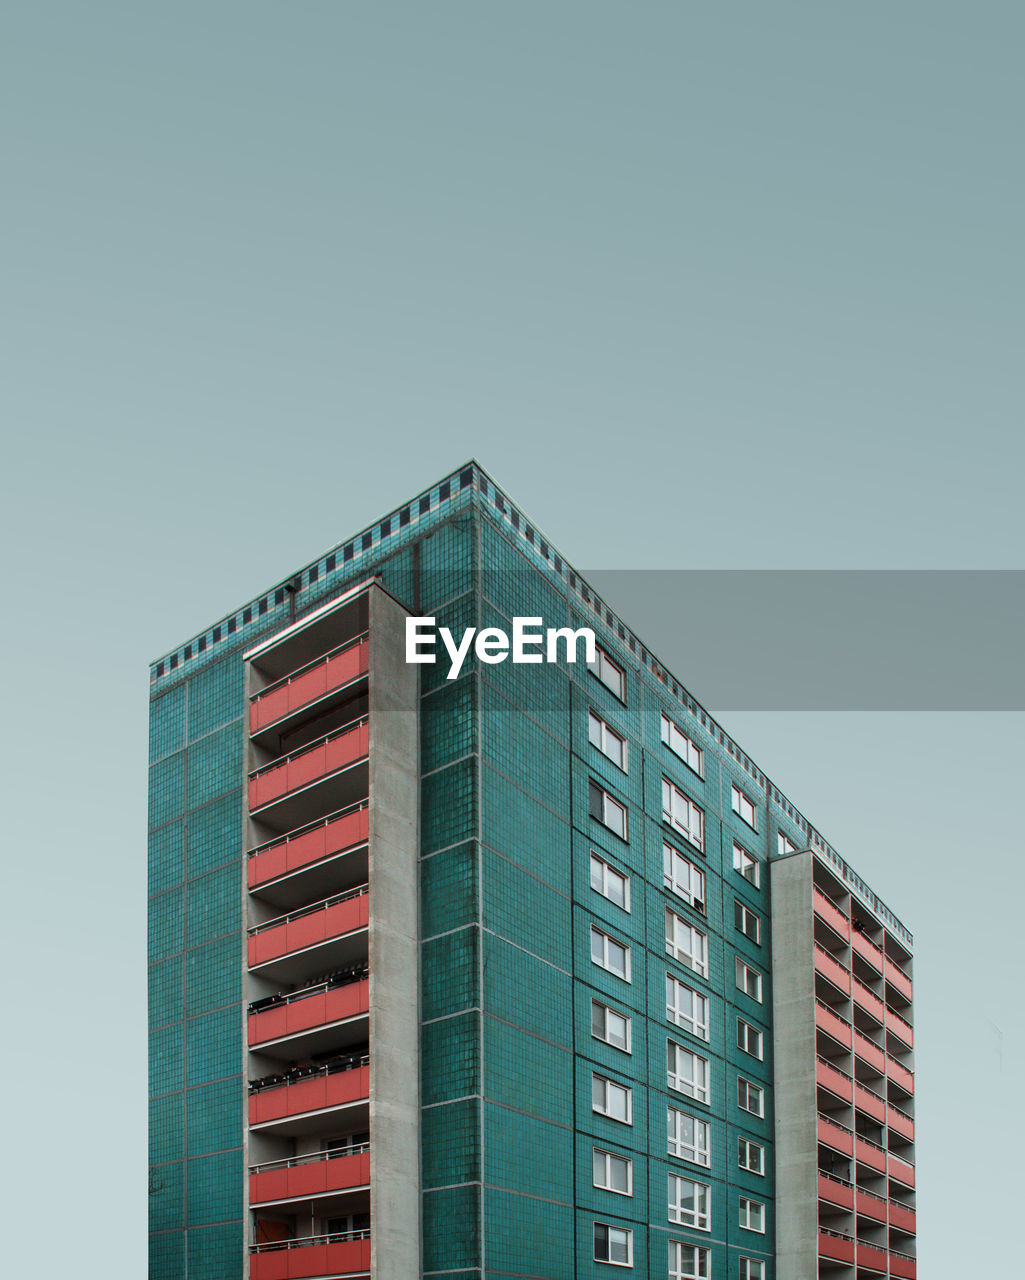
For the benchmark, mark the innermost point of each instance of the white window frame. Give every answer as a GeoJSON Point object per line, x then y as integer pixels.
{"type": "Point", "coordinates": [745, 972]}
{"type": "Point", "coordinates": [751, 1269]}
{"type": "Point", "coordinates": [606, 943]}
{"type": "Point", "coordinates": [689, 1261]}
{"type": "Point", "coordinates": [700, 1217]}
{"type": "Point", "coordinates": [751, 1156]}
{"type": "Point", "coordinates": [682, 814]}
{"type": "Point", "coordinates": [748, 1090]}
{"type": "Point", "coordinates": [683, 746]}
{"type": "Point", "coordinates": [606, 1083]}
{"type": "Point", "coordinates": [742, 915]}
{"type": "Point", "coordinates": [680, 995]}
{"type": "Point", "coordinates": [609, 673]}
{"type": "Point", "coordinates": [602, 735]}
{"type": "Point", "coordinates": [687, 1072]}
{"type": "Point", "coordinates": [608, 802]}
{"type": "Point", "coordinates": [685, 878]}
{"type": "Point", "coordinates": [749, 1039]}
{"type": "Point", "coordinates": [607, 1012]}
{"type": "Point", "coordinates": [607, 1157]}
{"type": "Point", "coordinates": [747, 865]}
{"type": "Point", "coordinates": [699, 1150]}
{"type": "Point", "coordinates": [784, 844]}
{"type": "Point", "coordinates": [627, 1239]}
{"type": "Point", "coordinates": [743, 805]}
{"type": "Point", "coordinates": [752, 1209]}
{"type": "Point", "coordinates": [686, 943]}
{"type": "Point", "coordinates": [606, 873]}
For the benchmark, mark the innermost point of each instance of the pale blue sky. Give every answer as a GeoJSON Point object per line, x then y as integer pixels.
{"type": "Point", "coordinates": [701, 286]}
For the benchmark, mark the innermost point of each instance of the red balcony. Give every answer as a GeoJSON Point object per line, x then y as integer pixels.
{"type": "Point", "coordinates": [896, 1071]}
{"type": "Point", "coordinates": [868, 1101]}
{"type": "Point", "coordinates": [871, 1206]}
{"type": "Point", "coordinates": [897, 1026]}
{"type": "Point", "coordinates": [335, 835]}
{"type": "Point", "coordinates": [836, 1192]}
{"type": "Point", "coordinates": [903, 1266]}
{"type": "Point", "coordinates": [900, 1171]}
{"type": "Point", "coordinates": [902, 1217]}
{"type": "Point", "coordinates": [336, 1255]}
{"type": "Point", "coordinates": [897, 979]}
{"type": "Point", "coordinates": [309, 927]}
{"type": "Point", "coordinates": [836, 1136]}
{"type": "Point", "coordinates": [871, 1258]}
{"type": "Point", "coordinates": [832, 1078]}
{"type": "Point", "coordinates": [836, 1247]}
{"type": "Point", "coordinates": [868, 1052]}
{"type": "Point", "coordinates": [868, 950]}
{"type": "Point", "coordinates": [900, 1122]}
{"type": "Point", "coordinates": [870, 1153]}
{"type": "Point", "coordinates": [304, 1010]}
{"type": "Point", "coordinates": [306, 1176]}
{"type": "Point", "coordinates": [828, 911]}
{"type": "Point", "coordinates": [832, 970]}
{"type": "Point", "coordinates": [308, 685]}
{"type": "Point", "coordinates": [833, 1025]}
{"type": "Point", "coordinates": [869, 1002]}
{"type": "Point", "coordinates": [325, 1087]}
{"type": "Point", "coordinates": [320, 759]}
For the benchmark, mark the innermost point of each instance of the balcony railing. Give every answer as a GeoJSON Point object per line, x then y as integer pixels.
{"type": "Point", "coordinates": [342, 995]}
{"type": "Point", "coordinates": [832, 970]}
{"type": "Point", "coordinates": [834, 1135]}
{"type": "Point", "coordinates": [871, 1257]}
{"type": "Point", "coordinates": [897, 978]}
{"type": "Point", "coordinates": [899, 1027]}
{"type": "Point", "coordinates": [339, 1082]}
{"type": "Point", "coordinates": [307, 926]}
{"type": "Point", "coordinates": [869, 1153]}
{"type": "Point", "coordinates": [902, 1171]}
{"type": "Point", "coordinates": [827, 910]}
{"type": "Point", "coordinates": [337, 833]}
{"type": "Point", "coordinates": [868, 1002]}
{"type": "Point", "coordinates": [836, 1245]}
{"type": "Point", "coordinates": [836, 1191]}
{"type": "Point", "coordinates": [868, 1101]}
{"type": "Point", "coordinates": [903, 1266]}
{"type": "Point", "coordinates": [902, 1217]}
{"type": "Point", "coordinates": [900, 1122]}
{"type": "Point", "coordinates": [900, 1073]}
{"type": "Point", "coordinates": [341, 1253]}
{"type": "Point", "coordinates": [867, 949]}
{"type": "Point", "coordinates": [870, 1205]}
{"type": "Point", "coordinates": [322, 1172]}
{"type": "Point", "coordinates": [309, 684]}
{"type": "Point", "coordinates": [328, 755]}
{"type": "Point", "coordinates": [831, 1023]}
{"type": "Point", "coordinates": [833, 1079]}
{"type": "Point", "coordinates": [869, 1052]}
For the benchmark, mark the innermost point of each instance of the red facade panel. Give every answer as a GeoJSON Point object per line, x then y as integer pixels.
{"type": "Point", "coordinates": [326, 757]}
{"type": "Point", "coordinates": [829, 1077]}
{"type": "Point", "coordinates": [308, 930]}
{"type": "Point", "coordinates": [902, 1217]}
{"type": "Point", "coordinates": [900, 1171]}
{"type": "Point", "coordinates": [898, 979]}
{"type": "Point", "coordinates": [900, 1028]}
{"type": "Point", "coordinates": [870, 1206]}
{"type": "Point", "coordinates": [323, 841]}
{"type": "Point", "coordinates": [868, 950]}
{"type": "Point", "coordinates": [346, 1257]}
{"type": "Point", "coordinates": [871, 1258]}
{"type": "Point", "coordinates": [833, 1025]}
{"type": "Point", "coordinates": [869, 1052]}
{"type": "Point", "coordinates": [835, 1136]}
{"type": "Point", "coordinates": [835, 1192]}
{"type": "Point", "coordinates": [827, 910]}
{"type": "Point", "coordinates": [313, 1094]}
{"type": "Point", "coordinates": [868, 1001]}
{"type": "Point", "coordinates": [869, 1154]}
{"type": "Point", "coordinates": [832, 969]}
{"type": "Point", "coordinates": [307, 687]}
{"type": "Point", "coordinates": [869, 1102]}
{"type": "Point", "coordinates": [903, 1268]}
{"type": "Point", "coordinates": [836, 1248]}
{"type": "Point", "coordinates": [311, 1011]}
{"type": "Point", "coordinates": [314, 1178]}
{"type": "Point", "coordinates": [896, 1071]}
{"type": "Point", "coordinates": [900, 1123]}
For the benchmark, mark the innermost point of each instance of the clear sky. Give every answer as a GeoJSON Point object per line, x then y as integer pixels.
{"type": "Point", "coordinates": [704, 286]}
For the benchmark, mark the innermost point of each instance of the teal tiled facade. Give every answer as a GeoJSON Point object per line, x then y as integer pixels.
{"type": "Point", "coordinates": [506, 906]}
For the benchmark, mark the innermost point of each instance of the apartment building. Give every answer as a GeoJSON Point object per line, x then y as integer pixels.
{"type": "Point", "coordinates": [528, 973]}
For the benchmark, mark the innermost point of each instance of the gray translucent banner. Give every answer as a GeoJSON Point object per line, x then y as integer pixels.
{"type": "Point", "coordinates": [831, 640]}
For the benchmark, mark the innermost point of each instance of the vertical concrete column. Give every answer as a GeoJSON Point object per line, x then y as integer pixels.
{"type": "Point", "coordinates": [795, 1094]}
{"type": "Point", "coordinates": [393, 941]}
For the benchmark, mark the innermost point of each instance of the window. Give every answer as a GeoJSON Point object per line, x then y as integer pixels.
{"type": "Point", "coordinates": [608, 811]}
{"type": "Point", "coordinates": [751, 1269]}
{"type": "Point", "coordinates": [746, 865]}
{"type": "Point", "coordinates": [680, 745]}
{"type": "Point", "coordinates": [743, 807]}
{"type": "Point", "coordinates": [611, 1027]}
{"type": "Point", "coordinates": [689, 1262]}
{"type": "Point", "coordinates": [613, 1244]}
{"type": "Point", "coordinates": [683, 877]}
{"type": "Point", "coordinates": [609, 882]}
{"type": "Point", "coordinates": [750, 1156]}
{"type": "Point", "coordinates": [687, 1072]}
{"type": "Point", "coordinates": [749, 1039]}
{"type": "Point", "coordinates": [746, 921]}
{"type": "Point", "coordinates": [611, 1099]}
{"type": "Point", "coordinates": [610, 954]}
{"type": "Point", "coordinates": [785, 845]}
{"type": "Point", "coordinates": [608, 673]}
{"type": "Point", "coordinates": [683, 813]}
{"type": "Point", "coordinates": [688, 1203]}
{"type": "Point", "coordinates": [750, 1097]}
{"type": "Point", "coordinates": [686, 944]}
{"type": "Point", "coordinates": [752, 1214]}
{"type": "Point", "coordinates": [607, 740]}
{"type": "Point", "coordinates": [689, 1137]}
{"type": "Point", "coordinates": [749, 980]}
{"type": "Point", "coordinates": [686, 1007]}
{"type": "Point", "coordinates": [613, 1173]}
